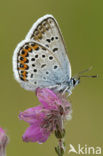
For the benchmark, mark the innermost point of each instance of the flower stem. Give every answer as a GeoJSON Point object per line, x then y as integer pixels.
{"type": "Point", "coordinates": [2, 151]}
{"type": "Point", "coordinates": [60, 133]}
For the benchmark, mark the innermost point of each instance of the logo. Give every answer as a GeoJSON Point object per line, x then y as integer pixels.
{"type": "Point", "coordinates": [85, 149]}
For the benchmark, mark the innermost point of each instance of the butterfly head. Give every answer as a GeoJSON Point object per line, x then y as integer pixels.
{"type": "Point", "coordinates": [75, 81]}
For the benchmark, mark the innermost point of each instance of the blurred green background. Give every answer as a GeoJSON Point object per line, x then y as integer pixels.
{"type": "Point", "coordinates": [81, 22]}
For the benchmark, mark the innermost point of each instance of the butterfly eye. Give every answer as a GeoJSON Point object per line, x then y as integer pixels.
{"type": "Point", "coordinates": [74, 81]}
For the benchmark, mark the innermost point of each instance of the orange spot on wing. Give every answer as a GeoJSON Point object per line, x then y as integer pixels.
{"type": "Point", "coordinates": [35, 47]}
{"type": "Point", "coordinates": [25, 54]}
{"type": "Point", "coordinates": [24, 60]}
{"type": "Point", "coordinates": [24, 73]}
{"type": "Point", "coordinates": [29, 49]}
{"type": "Point", "coordinates": [26, 50]}
{"type": "Point", "coordinates": [23, 68]}
{"type": "Point", "coordinates": [24, 77]}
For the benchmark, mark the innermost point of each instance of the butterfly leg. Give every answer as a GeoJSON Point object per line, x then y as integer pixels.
{"type": "Point", "coordinates": [69, 93]}
{"type": "Point", "coordinates": [53, 87]}
{"type": "Point", "coordinates": [65, 90]}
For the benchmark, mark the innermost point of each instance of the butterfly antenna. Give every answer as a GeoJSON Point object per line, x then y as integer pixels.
{"type": "Point", "coordinates": [86, 70]}
{"type": "Point", "coordinates": [90, 76]}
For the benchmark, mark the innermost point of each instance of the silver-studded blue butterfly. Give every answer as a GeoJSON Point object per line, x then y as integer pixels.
{"type": "Point", "coordinates": [40, 60]}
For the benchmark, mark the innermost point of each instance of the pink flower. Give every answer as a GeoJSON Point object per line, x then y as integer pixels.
{"type": "Point", "coordinates": [3, 142]}
{"type": "Point", "coordinates": [3, 137]}
{"type": "Point", "coordinates": [44, 119]}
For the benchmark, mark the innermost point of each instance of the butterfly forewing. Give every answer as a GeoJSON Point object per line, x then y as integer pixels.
{"type": "Point", "coordinates": [35, 66]}
{"type": "Point", "coordinates": [47, 32]}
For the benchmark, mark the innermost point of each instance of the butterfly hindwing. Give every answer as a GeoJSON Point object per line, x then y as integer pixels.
{"type": "Point", "coordinates": [35, 66]}
{"type": "Point", "coordinates": [47, 32]}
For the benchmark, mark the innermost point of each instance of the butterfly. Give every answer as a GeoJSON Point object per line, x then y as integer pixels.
{"type": "Point", "coordinates": [41, 61]}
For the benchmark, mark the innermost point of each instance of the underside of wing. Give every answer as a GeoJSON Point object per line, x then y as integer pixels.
{"type": "Point", "coordinates": [47, 32]}
{"type": "Point", "coordinates": [35, 66]}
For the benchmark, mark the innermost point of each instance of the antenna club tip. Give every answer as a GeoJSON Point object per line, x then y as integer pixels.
{"type": "Point", "coordinates": [95, 76]}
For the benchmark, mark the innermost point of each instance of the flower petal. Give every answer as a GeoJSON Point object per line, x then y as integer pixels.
{"type": "Point", "coordinates": [32, 115]}
{"type": "Point", "coordinates": [35, 134]}
{"type": "Point", "coordinates": [48, 98]}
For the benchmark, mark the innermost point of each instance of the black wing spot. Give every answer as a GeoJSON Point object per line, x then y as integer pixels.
{"type": "Point", "coordinates": [23, 52]}
{"type": "Point", "coordinates": [35, 70]}
{"type": "Point", "coordinates": [50, 57]}
{"type": "Point", "coordinates": [31, 76]}
{"type": "Point", "coordinates": [47, 45]}
{"type": "Point", "coordinates": [55, 67]}
{"type": "Point", "coordinates": [43, 56]}
{"type": "Point", "coordinates": [26, 47]}
{"type": "Point", "coordinates": [27, 68]}
{"type": "Point", "coordinates": [37, 48]}
{"type": "Point", "coordinates": [35, 82]}
{"type": "Point", "coordinates": [33, 65]}
{"type": "Point", "coordinates": [32, 59]}
{"type": "Point", "coordinates": [43, 65]}
{"type": "Point", "coordinates": [52, 38]}
{"type": "Point", "coordinates": [55, 49]}
{"type": "Point", "coordinates": [27, 61]}
{"type": "Point", "coordinates": [21, 58]}
{"type": "Point", "coordinates": [48, 40]}
{"type": "Point", "coordinates": [21, 66]}
{"type": "Point", "coordinates": [56, 38]}
{"type": "Point", "coordinates": [27, 55]}
{"type": "Point", "coordinates": [32, 44]}
{"type": "Point", "coordinates": [44, 78]}
{"type": "Point", "coordinates": [36, 56]}
{"type": "Point", "coordinates": [47, 72]}
{"type": "Point", "coordinates": [30, 50]}
{"type": "Point", "coordinates": [21, 78]}
{"type": "Point", "coordinates": [43, 48]}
